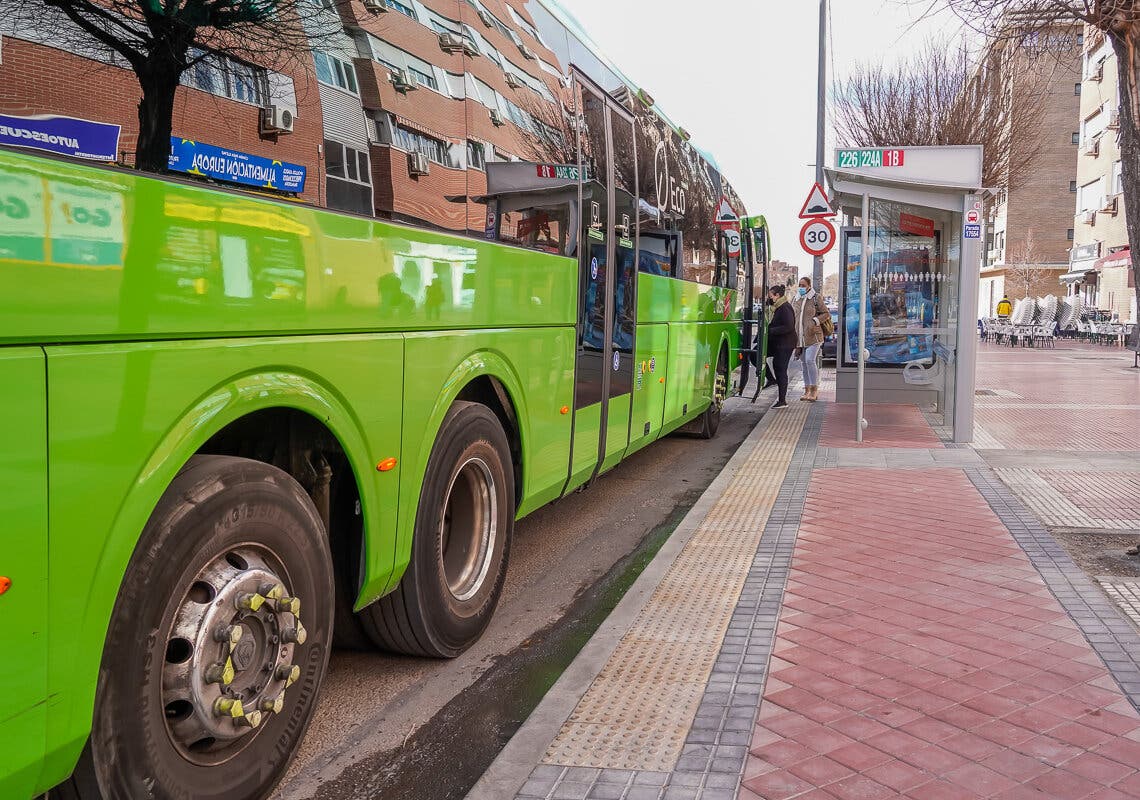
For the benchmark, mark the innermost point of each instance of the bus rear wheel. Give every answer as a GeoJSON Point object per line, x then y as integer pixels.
{"type": "Point", "coordinates": [218, 642]}
{"type": "Point", "coordinates": [460, 545]}
{"type": "Point", "coordinates": [710, 420]}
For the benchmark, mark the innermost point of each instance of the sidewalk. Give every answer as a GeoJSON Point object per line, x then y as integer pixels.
{"type": "Point", "coordinates": [882, 620]}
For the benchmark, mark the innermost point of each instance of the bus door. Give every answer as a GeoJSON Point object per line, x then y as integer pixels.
{"type": "Point", "coordinates": [607, 289]}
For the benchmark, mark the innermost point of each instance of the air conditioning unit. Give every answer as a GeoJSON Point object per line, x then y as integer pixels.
{"type": "Point", "coordinates": [497, 118]}
{"type": "Point", "coordinates": [1111, 204]}
{"type": "Point", "coordinates": [512, 80]}
{"type": "Point", "coordinates": [1092, 147]}
{"type": "Point", "coordinates": [403, 81]}
{"type": "Point", "coordinates": [418, 164]}
{"type": "Point", "coordinates": [1087, 217]}
{"type": "Point", "coordinates": [376, 6]}
{"type": "Point", "coordinates": [527, 52]}
{"type": "Point", "coordinates": [1114, 119]}
{"type": "Point", "coordinates": [1097, 72]}
{"type": "Point", "coordinates": [485, 16]}
{"type": "Point", "coordinates": [470, 48]}
{"type": "Point", "coordinates": [276, 119]}
{"type": "Point", "coordinates": [450, 42]}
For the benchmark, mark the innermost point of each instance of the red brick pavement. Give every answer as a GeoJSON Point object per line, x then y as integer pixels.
{"type": "Point", "coordinates": [889, 425]}
{"type": "Point", "coordinates": [919, 654]}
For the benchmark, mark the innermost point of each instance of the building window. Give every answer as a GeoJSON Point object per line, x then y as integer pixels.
{"type": "Point", "coordinates": [1069, 234]}
{"type": "Point", "coordinates": [225, 77]}
{"type": "Point", "coordinates": [407, 11]}
{"type": "Point", "coordinates": [1076, 88]}
{"type": "Point", "coordinates": [333, 71]}
{"type": "Point", "coordinates": [416, 142]}
{"type": "Point", "coordinates": [1118, 178]}
{"type": "Point", "coordinates": [476, 159]}
{"type": "Point", "coordinates": [348, 180]}
{"type": "Point", "coordinates": [1076, 137]}
{"type": "Point", "coordinates": [424, 79]}
{"type": "Point", "coordinates": [1072, 186]}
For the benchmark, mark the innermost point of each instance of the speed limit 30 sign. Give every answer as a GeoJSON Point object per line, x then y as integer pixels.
{"type": "Point", "coordinates": [817, 237]}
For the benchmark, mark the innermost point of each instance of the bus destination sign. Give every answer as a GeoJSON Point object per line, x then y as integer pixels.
{"type": "Point", "coordinates": [562, 172]}
{"type": "Point", "coordinates": [870, 157]}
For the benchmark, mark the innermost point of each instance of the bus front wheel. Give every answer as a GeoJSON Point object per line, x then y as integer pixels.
{"type": "Point", "coordinates": [218, 642]}
{"type": "Point", "coordinates": [460, 544]}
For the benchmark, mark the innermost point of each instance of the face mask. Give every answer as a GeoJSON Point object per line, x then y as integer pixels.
{"type": "Point", "coordinates": [802, 290]}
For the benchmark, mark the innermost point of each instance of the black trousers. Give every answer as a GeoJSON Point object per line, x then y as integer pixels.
{"type": "Point", "coordinates": [780, 360]}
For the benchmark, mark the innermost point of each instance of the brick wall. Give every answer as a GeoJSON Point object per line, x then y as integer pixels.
{"type": "Point", "coordinates": [35, 79]}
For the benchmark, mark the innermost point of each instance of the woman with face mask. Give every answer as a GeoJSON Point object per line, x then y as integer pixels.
{"type": "Point", "coordinates": [810, 311]}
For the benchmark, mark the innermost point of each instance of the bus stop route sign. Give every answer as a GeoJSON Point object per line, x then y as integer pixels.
{"type": "Point", "coordinates": [817, 237]}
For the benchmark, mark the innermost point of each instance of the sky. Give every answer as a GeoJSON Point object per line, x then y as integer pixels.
{"type": "Point", "coordinates": [742, 80]}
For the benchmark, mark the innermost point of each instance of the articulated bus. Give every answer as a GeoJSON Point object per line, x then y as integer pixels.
{"type": "Point", "coordinates": [237, 431]}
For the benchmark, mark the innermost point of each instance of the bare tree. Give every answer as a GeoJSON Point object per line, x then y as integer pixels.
{"type": "Point", "coordinates": [1024, 273]}
{"type": "Point", "coordinates": [160, 39]}
{"type": "Point", "coordinates": [943, 96]}
{"type": "Point", "coordinates": [1116, 20]}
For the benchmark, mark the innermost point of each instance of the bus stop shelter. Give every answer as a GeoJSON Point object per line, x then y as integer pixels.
{"type": "Point", "coordinates": [909, 256]}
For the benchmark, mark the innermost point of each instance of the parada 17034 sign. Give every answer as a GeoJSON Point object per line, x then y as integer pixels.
{"type": "Point", "coordinates": [817, 237]}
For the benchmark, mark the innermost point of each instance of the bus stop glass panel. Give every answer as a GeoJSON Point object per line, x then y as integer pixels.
{"type": "Point", "coordinates": [912, 293]}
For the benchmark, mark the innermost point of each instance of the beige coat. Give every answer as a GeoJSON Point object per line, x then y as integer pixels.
{"type": "Point", "coordinates": [809, 309]}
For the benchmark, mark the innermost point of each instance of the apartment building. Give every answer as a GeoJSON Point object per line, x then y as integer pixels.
{"type": "Point", "coordinates": [1100, 267]}
{"type": "Point", "coordinates": [220, 105]}
{"type": "Point", "coordinates": [1029, 230]}
{"type": "Point", "coordinates": [395, 113]}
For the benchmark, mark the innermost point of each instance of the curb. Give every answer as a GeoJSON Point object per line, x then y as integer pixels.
{"type": "Point", "coordinates": [512, 767]}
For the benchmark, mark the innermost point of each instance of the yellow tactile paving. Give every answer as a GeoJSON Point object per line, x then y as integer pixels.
{"type": "Point", "coordinates": [638, 710]}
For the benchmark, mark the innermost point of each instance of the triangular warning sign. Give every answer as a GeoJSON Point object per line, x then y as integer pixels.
{"type": "Point", "coordinates": [725, 215]}
{"type": "Point", "coordinates": [817, 205]}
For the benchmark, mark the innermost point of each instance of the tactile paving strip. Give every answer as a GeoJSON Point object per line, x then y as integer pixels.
{"type": "Point", "coordinates": [639, 709]}
{"type": "Point", "coordinates": [1125, 594]}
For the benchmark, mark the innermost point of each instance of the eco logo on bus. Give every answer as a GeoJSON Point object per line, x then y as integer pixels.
{"type": "Point", "coordinates": [670, 194]}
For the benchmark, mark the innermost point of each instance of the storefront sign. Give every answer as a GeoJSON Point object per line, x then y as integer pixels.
{"type": "Point", "coordinates": [206, 160]}
{"type": "Point", "coordinates": [919, 226]}
{"type": "Point", "coordinates": [870, 157]}
{"type": "Point", "coordinates": [67, 136]}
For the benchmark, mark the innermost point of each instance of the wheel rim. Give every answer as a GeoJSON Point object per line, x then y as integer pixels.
{"type": "Point", "coordinates": [720, 386]}
{"type": "Point", "coordinates": [468, 528]}
{"type": "Point", "coordinates": [229, 654]}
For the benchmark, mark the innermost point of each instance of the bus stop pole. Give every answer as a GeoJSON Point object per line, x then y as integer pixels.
{"type": "Point", "coordinates": [865, 256]}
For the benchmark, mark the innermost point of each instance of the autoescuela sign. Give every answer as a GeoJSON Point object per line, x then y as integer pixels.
{"type": "Point", "coordinates": [67, 136]}
{"type": "Point", "coordinates": [208, 161]}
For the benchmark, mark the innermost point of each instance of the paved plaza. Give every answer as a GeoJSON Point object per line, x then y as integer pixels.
{"type": "Point", "coordinates": [896, 618]}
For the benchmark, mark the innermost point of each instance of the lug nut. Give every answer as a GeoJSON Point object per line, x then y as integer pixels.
{"type": "Point", "coordinates": [250, 602]}
{"type": "Point", "coordinates": [250, 720]}
{"type": "Point", "coordinates": [298, 634]}
{"type": "Point", "coordinates": [290, 673]}
{"type": "Point", "coordinates": [229, 707]}
{"type": "Point", "coordinates": [291, 605]}
{"type": "Point", "coordinates": [221, 673]}
{"type": "Point", "coordinates": [272, 591]}
{"type": "Point", "coordinates": [228, 633]}
{"type": "Point", "coordinates": [275, 705]}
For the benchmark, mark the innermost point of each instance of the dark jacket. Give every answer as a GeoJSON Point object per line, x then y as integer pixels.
{"type": "Point", "coordinates": [782, 328]}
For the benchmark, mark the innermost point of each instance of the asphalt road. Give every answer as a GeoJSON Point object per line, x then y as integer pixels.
{"type": "Point", "coordinates": [417, 729]}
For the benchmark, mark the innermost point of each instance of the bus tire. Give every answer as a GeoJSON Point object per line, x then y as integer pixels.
{"type": "Point", "coordinates": [710, 420]}
{"type": "Point", "coordinates": [460, 544]}
{"type": "Point", "coordinates": [226, 531]}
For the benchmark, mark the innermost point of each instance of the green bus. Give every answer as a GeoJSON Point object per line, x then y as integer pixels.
{"type": "Point", "coordinates": [237, 431]}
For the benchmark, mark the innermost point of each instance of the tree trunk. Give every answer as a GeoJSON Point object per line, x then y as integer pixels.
{"type": "Point", "coordinates": [159, 81]}
{"type": "Point", "coordinates": [1125, 46]}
